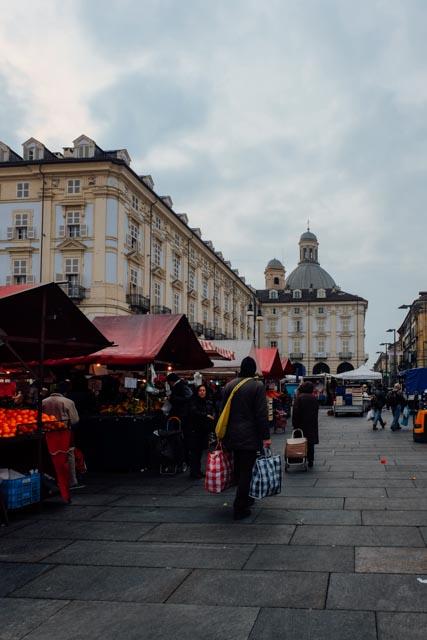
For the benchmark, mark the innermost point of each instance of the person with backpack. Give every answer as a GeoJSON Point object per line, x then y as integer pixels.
{"type": "Point", "coordinates": [378, 402]}
{"type": "Point", "coordinates": [396, 401]}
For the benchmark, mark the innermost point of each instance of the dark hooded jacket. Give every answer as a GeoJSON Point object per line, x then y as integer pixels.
{"type": "Point", "coordinates": [305, 413]}
{"type": "Point", "coordinates": [248, 422]}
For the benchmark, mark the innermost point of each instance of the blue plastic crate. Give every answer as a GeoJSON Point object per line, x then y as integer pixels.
{"type": "Point", "coordinates": [21, 491]}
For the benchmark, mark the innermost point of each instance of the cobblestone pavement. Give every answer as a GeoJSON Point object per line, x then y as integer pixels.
{"type": "Point", "coordinates": [339, 555]}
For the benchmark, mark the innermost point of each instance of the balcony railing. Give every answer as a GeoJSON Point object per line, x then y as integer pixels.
{"type": "Point", "coordinates": [74, 291]}
{"type": "Point", "coordinates": [159, 310]}
{"type": "Point", "coordinates": [321, 355]}
{"type": "Point", "coordinates": [197, 328]}
{"type": "Point", "coordinates": [296, 356]}
{"type": "Point", "coordinates": [345, 355]}
{"type": "Point", "coordinates": [220, 336]}
{"type": "Point", "coordinates": [138, 302]}
{"type": "Point", "coordinates": [209, 333]}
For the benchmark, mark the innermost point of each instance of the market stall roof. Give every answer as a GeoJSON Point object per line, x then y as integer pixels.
{"type": "Point", "coordinates": [269, 362]}
{"type": "Point", "coordinates": [241, 349]}
{"type": "Point", "coordinates": [216, 352]}
{"type": "Point", "coordinates": [287, 367]}
{"type": "Point", "coordinates": [39, 321]}
{"type": "Point", "coordinates": [361, 373]}
{"type": "Point", "coordinates": [142, 339]}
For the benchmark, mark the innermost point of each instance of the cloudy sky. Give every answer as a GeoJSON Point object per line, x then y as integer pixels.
{"type": "Point", "coordinates": [254, 116]}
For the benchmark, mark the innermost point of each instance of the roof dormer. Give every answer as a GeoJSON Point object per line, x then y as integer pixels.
{"type": "Point", "coordinates": [84, 147]}
{"type": "Point", "coordinates": [33, 150]}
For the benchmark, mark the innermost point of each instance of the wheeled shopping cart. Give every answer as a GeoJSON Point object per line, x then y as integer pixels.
{"type": "Point", "coordinates": [296, 450]}
{"type": "Point", "coordinates": [168, 448]}
{"type": "Point", "coordinates": [279, 421]}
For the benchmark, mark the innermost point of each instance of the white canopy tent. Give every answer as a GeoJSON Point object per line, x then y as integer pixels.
{"type": "Point", "coordinates": [361, 373]}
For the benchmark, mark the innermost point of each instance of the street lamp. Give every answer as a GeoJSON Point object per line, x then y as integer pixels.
{"type": "Point", "coordinates": [386, 345]}
{"type": "Point", "coordinates": [258, 318]}
{"type": "Point", "coordinates": [394, 354]}
{"type": "Point", "coordinates": [409, 359]}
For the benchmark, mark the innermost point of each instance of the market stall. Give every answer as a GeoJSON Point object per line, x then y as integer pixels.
{"type": "Point", "coordinates": [350, 396]}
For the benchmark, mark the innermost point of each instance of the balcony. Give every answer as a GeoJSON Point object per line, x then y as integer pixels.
{"type": "Point", "coordinates": [220, 336]}
{"type": "Point", "coordinates": [321, 355]}
{"type": "Point", "coordinates": [296, 356]}
{"type": "Point", "coordinates": [345, 355]}
{"type": "Point", "coordinates": [137, 302]}
{"type": "Point", "coordinates": [209, 333]}
{"type": "Point", "coordinates": [158, 310]}
{"type": "Point", "coordinates": [74, 291]}
{"type": "Point", "coordinates": [197, 328]}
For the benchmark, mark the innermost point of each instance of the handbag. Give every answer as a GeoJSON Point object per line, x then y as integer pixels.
{"type": "Point", "coordinates": [219, 470]}
{"type": "Point", "coordinates": [221, 425]}
{"type": "Point", "coordinates": [266, 476]}
{"type": "Point", "coordinates": [370, 415]}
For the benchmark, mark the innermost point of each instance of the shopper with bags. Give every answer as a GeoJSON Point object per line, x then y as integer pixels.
{"type": "Point", "coordinates": [201, 423]}
{"type": "Point", "coordinates": [305, 416]}
{"type": "Point", "coordinates": [247, 431]}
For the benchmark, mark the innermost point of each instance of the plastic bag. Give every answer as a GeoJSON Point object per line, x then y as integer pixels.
{"type": "Point", "coordinates": [370, 414]}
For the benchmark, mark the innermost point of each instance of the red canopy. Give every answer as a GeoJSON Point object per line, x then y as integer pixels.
{"type": "Point", "coordinates": [216, 352]}
{"type": "Point", "coordinates": [141, 339]}
{"type": "Point", "coordinates": [287, 366]}
{"type": "Point", "coordinates": [269, 362]}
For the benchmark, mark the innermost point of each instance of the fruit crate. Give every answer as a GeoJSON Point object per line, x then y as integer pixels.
{"type": "Point", "coordinates": [21, 492]}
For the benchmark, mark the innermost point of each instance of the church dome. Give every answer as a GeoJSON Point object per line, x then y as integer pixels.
{"type": "Point", "coordinates": [307, 235]}
{"type": "Point", "coordinates": [275, 264]}
{"type": "Point", "coordinates": [309, 275]}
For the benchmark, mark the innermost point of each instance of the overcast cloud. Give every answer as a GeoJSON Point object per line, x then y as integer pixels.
{"type": "Point", "coordinates": [254, 116]}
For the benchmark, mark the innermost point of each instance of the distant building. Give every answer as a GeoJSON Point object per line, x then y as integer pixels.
{"type": "Point", "coordinates": [309, 318]}
{"type": "Point", "coordinates": [84, 218]}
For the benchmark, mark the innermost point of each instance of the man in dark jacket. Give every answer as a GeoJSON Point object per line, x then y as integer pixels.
{"type": "Point", "coordinates": [180, 398]}
{"type": "Point", "coordinates": [247, 431]}
{"type": "Point", "coordinates": [395, 401]}
{"type": "Point", "coordinates": [378, 403]}
{"type": "Point", "coordinates": [305, 416]}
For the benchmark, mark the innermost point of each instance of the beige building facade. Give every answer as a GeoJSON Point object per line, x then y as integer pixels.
{"type": "Point", "coordinates": [84, 218]}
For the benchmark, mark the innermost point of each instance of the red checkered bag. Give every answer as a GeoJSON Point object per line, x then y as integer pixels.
{"type": "Point", "coordinates": [219, 470]}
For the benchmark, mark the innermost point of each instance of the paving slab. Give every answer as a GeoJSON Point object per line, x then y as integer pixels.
{"type": "Point", "coordinates": [398, 626]}
{"type": "Point", "coordinates": [131, 621]}
{"type": "Point", "coordinates": [397, 518]}
{"type": "Point", "coordinates": [308, 516]}
{"type": "Point", "coordinates": [25, 550]}
{"type": "Point", "coordinates": [21, 617]}
{"type": "Point", "coordinates": [301, 502]}
{"type": "Point", "coordinates": [376, 592]}
{"type": "Point", "coordinates": [83, 530]}
{"type": "Point", "coordinates": [119, 584]}
{"type": "Point", "coordinates": [207, 501]}
{"type": "Point", "coordinates": [14, 575]}
{"type": "Point", "coordinates": [370, 483]}
{"type": "Point", "coordinates": [59, 511]}
{"type": "Point", "coordinates": [221, 534]}
{"type": "Point", "coordinates": [253, 588]}
{"type": "Point", "coordinates": [358, 536]}
{"type": "Point", "coordinates": [305, 558]}
{"type": "Point", "coordinates": [220, 514]}
{"type": "Point", "coordinates": [304, 624]}
{"type": "Point", "coordinates": [397, 504]}
{"type": "Point", "coordinates": [387, 560]}
{"type": "Point", "coordinates": [147, 554]}
{"type": "Point", "coordinates": [406, 492]}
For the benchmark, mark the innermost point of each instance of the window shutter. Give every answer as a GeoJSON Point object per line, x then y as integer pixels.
{"type": "Point", "coordinates": [10, 233]}
{"type": "Point", "coordinates": [8, 280]}
{"type": "Point", "coordinates": [31, 232]}
{"type": "Point", "coordinates": [61, 232]}
{"type": "Point", "coordinates": [83, 230]}
{"type": "Point", "coordinates": [128, 240]}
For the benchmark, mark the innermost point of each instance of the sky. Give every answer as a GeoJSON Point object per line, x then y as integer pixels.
{"type": "Point", "coordinates": [255, 116]}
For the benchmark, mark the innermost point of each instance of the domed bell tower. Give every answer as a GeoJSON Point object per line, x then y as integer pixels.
{"type": "Point", "coordinates": [275, 275]}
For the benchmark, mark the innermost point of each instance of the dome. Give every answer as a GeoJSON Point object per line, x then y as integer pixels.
{"type": "Point", "coordinates": [307, 235]}
{"type": "Point", "coordinates": [309, 275]}
{"type": "Point", "coordinates": [275, 264]}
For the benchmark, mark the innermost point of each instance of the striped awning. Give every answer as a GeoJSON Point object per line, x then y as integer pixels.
{"type": "Point", "coordinates": [216, 352]}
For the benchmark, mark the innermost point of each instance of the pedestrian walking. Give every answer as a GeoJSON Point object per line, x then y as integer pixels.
{"type": "Point", "coordinates": [201, 423]}
{"type": "Point", "coordinates": [305, 416]}
{"type": "Point", "coordinates": [247, 431]}
{"type": "Point", "coordinates": [396, 401]}
{"type": "Point", "coordinates": [378, 402]}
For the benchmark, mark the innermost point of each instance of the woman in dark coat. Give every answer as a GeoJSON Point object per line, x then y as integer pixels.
{"type": "Point", "coordinates": [201, 421]}
{"type": "Point", "coordinates": [305, 414]}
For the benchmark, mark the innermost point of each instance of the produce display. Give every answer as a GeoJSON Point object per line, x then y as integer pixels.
{"type": "Point", "coordinates": [17, 422]}
{"type": "Point", "coordinates": [132, 406]}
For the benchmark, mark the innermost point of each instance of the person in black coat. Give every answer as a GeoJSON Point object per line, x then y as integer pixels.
{"type": "Point", "coordinates": [201, 422]}
{"type": "Point", "coordinates": [305, 416]}
{"type": "Point", "coordinates": [247, 431]}
{"type": "Point", "coordinates": [180, 397]}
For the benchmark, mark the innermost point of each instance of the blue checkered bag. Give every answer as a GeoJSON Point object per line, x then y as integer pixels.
{"type": "Point", "coordinates": [266, 476]}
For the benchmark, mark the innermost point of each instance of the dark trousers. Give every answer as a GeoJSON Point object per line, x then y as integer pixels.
{"type": "Point", "coordinates": [310, 452]}
{"type": "Point", "coordinates": [243, 464]}
{"type": "Point", "coordinates": [195, 460]}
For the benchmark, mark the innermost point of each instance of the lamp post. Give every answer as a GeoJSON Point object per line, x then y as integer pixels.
{"type": "Point", "coordinates": [254, 311]}
{"type": "Point", "coordinates": [394, 354]}
{"type": "Point", "coordinates": [386, 345]}
{"type": "Point", "coordinates": [409, 359]}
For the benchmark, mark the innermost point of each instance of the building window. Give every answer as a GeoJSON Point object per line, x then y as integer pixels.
{"type": "Point", "coordinates": [273, 344]}
{"type": "Point", "coordinates": [192, 280]}
{"type": "Point", "coordinates": [297, 310]}
{"type": "Point", "coordinates": [205, 318]}
{"type": "Point", "coordinates": [297, 326]}
{"type": "Point", "coordinates": [297, 346]}
{"type": "Point", "coordinates": [192, 312]}
{"type": "Point", "coordinates": [321, 293]}
{"type": "Point", "coordinates": [177, 240]}
{"type": "Point", "coordinates": [73, 224]}
{"type": "Point", "coordinates": [72, 270]}
{"type": "Point", "coordinates": [133, 237]}
{"type": "Point", "coordinates": [192, 253]}
{"type": "Point", "coordinates": [226, 304]}
{"type": "Point", "coordinates": [176, 303]}
{"type": "Point", "coordinates": [320, 326]}
{"type": "Point", "coordinates": [273, 294]}
{"type": "Point", "coordinates": [21, 226]}
{"type": "Point", "coordinates": [345, 324]}
{"type": "Point", "coordinates": [22, 189]}
{"type": "Point", "coordinates": [273, 325]}
{"type": "Point", "coordinates": [19, 271]}
{"type": "Point", "coordinates": [321, 310]}
{"type": "Point", "coordinates": [297, 293]}
{"type": "Point", "coordinates": [321, 346]}
{"type": "Point", "coordinates": [135, 203]}
{"type": "Point", "coordinates": [133, 277]}
{"type": "Point", "coordinates": [157, 254]}
{"type": "Point", "coordinates": [157, 294]}
{"type": "Point", "coordinates": [83, 151]}
{"type": "Point", "coordinates": [73, 186]}
{"type": "Point", "coordinates": [157, 223]}
{"type": "Point", "coordinates": [345, 346]}
{"type": "Point", "coordinates": [176, 266]}
{"type": "Point", "coordinates": [274, 311]}
{"type": "Point", "coordinates": [205, 288]}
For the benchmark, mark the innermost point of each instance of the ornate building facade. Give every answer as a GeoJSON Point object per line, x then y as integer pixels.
{"type": "Point", "coordinates": [309, 318]}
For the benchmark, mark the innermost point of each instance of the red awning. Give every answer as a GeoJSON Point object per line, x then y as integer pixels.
{"type": "Point", "coordinates": [39, 321]}
{"type": "Point", "coordinates": [142, 339]}
{"type": "Point", "coordinates": [269, 362]}
{"type": "Point", "coordinates": [288, 368]}
{"type": "Point", "coordinates": [216, 352]}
